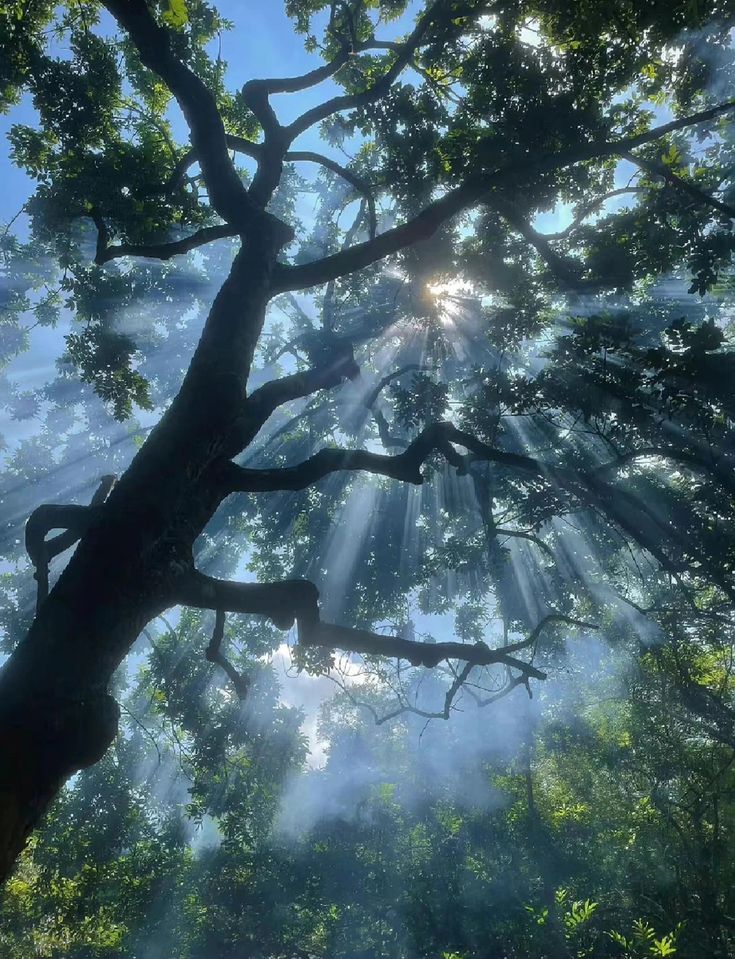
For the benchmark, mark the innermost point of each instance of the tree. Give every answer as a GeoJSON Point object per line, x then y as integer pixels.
{"type": "Point", "coordinates": [509, 109]}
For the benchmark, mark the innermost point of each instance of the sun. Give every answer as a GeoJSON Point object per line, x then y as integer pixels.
{"type": "Point", "coordinates": [438, 289]}
{"type": "Point", "coordinates": [445, 295]}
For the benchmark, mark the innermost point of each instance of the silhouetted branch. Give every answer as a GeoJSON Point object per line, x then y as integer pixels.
{"type": "Point", "coordinates": [74, 520]}
{"type": "Point", "coordinates": [679, 183]}
{"type": "Point", "coordinates": [529, 537]}
{"type": "Point", "coordinates": [263, 401]}
{"type": "Point", "coordinates": [226, 191]}
{"type": "Point", "coordinates": [296, 601]}
{"type": "Point", "coordinates": [629, 512]}
{"type": "Point", "coordinates": [589, 208]}
{"type": "Point", "coordinates": [305, 80]}
{"type": "Point", "coordinates": [565, 270]}
{"type": "Point", "coordinates": [215, 655]}
{"type": "Point", "coordinates": [256, 151]}
{"type": "Point", "coordinates": [164, 251]}
{"type": "Point", "coordinates": [386, 380]}
{"type": "Point", "coordinates": [405, 466]}
{"type": "Point", "coordinates": [463, 197]}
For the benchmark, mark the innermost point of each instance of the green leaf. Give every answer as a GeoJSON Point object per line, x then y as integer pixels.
{"type": "Point", "coordinates": [177, 15]}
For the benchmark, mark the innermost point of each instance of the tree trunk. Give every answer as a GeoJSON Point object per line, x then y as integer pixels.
{"type": "Point", "coordinates": [56, 716]}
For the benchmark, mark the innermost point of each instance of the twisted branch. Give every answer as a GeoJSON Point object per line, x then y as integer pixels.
{"type": "Point", "coordinates": [296, 601]}
{"type": "Point", "coordinates": [214, 654]}
{"type": "Point", "coordinates": [73, 520]}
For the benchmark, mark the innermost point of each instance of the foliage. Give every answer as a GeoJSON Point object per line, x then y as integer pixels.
{"type": "Point", "coordinates": [592, 821]}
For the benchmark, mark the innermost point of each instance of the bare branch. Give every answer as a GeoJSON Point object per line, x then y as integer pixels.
{"type": "Point", "coordinates": [164, 251]}
{"type": "Point", "coordinates": [305, 80]}
{"type": "Point", "coordinates": [292, 601]}
{"type": "Point", "coordinates": [405, 466]}
{"type": "Point", "coordinates": [263, 401]}
{"type": "Point", "coordinates": [529, 537]}
{"type": "Point", "coordinates": [513, 682]}
{"type": "Point", "coordinates": [74, 520]}
{"type": "Point", "coordinates": [631, 514]}
{"type": "Point", "coordinates": [215, 655]}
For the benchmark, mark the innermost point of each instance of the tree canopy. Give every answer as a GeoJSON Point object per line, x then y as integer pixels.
{"type": "Point", "coordinates": [431, 381]}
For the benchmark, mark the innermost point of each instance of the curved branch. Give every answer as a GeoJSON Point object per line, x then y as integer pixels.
{"type": "Point", "coordinates": [263, 401]}
{"type": "Point", "coordinates": [256, 151]}
{"type": "Point", "coordinates": [215, 655]}
{"type": "Point", "coordinates": [566, 271]}
{"type": "Point", "coordinates": [529, 537]}
{"type": "Point", "coordinates": [628, 512]}
{"type": "Point", "coordinates": [357, 257]}
{"type": "Point", "coordinates": [296, 601]}
{"type": "Point", "coordinates": [74, 520]}
{"type": "Point", "coordinates": [405, 466]}
{"type": "Point", "coordinates": [361, 186]}
{"type": "Point", "coordinates": [589, 208]}
{"type": "Point", "coordinates": [305, 80]}
{"type": "Point", "coordinates": [227, 193]}
{"type": "Point", "coordinates": [462, 197]}
{"type": "Point", "coordinates": [164, 251]}
{"type": "Point", "coordinates": [404, 55]}
{"type": "Point", "coordinates": [386, 380]}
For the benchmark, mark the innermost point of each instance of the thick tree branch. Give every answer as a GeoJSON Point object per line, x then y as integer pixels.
{"type": "Point", "coordinates": [405, 466]}
{"type": "Point", "coordinates": [256, 151]}
{"type": "Point", "coordinates": [296, 601]}
{"type": "Point", "coordinates": [466, 195]}
{"type": "Point", "coordinates": [74, 520]}
{"type": "Point", "coordinates": [267, 398]}
{"type": "Point", "coordinates": [227, 193]}
{"type": "Point", "coordinates": [164, 251]}
{"type": "Point", "coordinates": [628, 512]}
{"type": "Point", "coordinates": [361, 255]}
{"type": "Point", "coordinates": [305, 80]}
